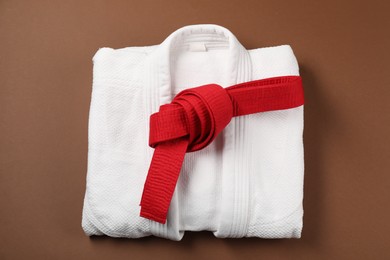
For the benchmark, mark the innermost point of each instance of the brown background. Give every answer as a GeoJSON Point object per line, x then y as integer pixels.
{"type": "Point", "coordinates": [46, 75]}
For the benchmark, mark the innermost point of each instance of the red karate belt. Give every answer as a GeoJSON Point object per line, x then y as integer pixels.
{"type": "Point", "coordinates": [194, 119]}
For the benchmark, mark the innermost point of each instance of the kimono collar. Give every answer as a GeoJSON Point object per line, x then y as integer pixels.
{"type": "Point", "coordinates": [238, 60]}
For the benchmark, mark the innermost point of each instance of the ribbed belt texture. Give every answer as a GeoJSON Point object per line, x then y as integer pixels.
{"type": "Point", "coordinates": [194, 119]}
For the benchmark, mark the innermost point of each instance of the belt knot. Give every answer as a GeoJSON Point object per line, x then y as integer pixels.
{"type": "Point", "coordinates": [198, 114]}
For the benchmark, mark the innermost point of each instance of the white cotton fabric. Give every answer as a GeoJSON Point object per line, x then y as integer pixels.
{"type": "Point", "coordinates": [247, 183]}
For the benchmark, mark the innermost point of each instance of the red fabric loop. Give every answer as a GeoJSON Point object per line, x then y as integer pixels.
{"type": "Point", "coordinates": [194, 119]}
{"type": "Point", "coordinates": [208, 110]}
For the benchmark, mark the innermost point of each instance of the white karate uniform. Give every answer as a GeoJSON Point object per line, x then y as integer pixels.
{"type": "Point", "coordinates": [247, 183]}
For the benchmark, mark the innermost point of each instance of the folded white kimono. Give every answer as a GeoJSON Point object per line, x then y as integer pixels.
{"type": "Point", "coordinates": [247, 183]}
